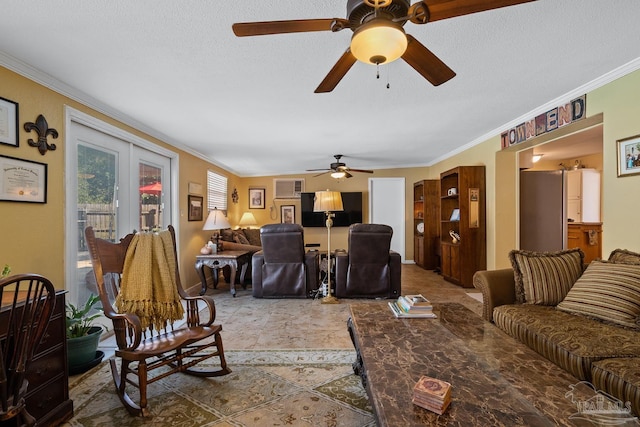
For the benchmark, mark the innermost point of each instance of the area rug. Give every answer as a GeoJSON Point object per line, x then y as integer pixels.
{"type": "Point", "coordinates": [266, 388]}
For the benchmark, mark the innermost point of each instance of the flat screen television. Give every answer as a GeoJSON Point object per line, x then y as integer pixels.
{"type": "Point", "coordinates": [352, 213]}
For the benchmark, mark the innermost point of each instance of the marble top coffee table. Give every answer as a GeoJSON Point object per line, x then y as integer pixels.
{"type": "Point", "coordinates": [495, 379]}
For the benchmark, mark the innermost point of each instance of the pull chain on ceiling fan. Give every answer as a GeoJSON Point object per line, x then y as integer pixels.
{"type": "Point", "coordinates": [378, 33]}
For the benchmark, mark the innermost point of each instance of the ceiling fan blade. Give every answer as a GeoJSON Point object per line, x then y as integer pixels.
{"type": "Point", "coordinates": [338, 71]}
{"type": "Point", "coordinates": [318, 170]}
{"type": "Point", "coordinates": [347, 174]}
{"type": "Point", "coordinates": [323, 173]}
{"type": "Point", "coordinates": [360, 170]}
{"type": "Point", "coordinates": [244, 29]}
{"type": "Point", "coordinates": [426, 63]}
{"type": "Point", "coordinates": [444, 9]}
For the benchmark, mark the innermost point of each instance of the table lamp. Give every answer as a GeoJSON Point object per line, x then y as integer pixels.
{"type": "Point", "coordinates": [328, 202]}
{"type": "Point", "coordinates": [216, 221]}
{"type": "Point", "coordinates": [247, 220]}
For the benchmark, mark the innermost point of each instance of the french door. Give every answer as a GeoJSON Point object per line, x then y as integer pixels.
{"type": "Point", "coordinates": [116, 187]}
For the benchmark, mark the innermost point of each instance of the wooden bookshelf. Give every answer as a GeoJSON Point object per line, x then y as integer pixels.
{"type": "Point", "coordinates": [426, 211]}
{"type": "Point", "coordinates": [462, 213]}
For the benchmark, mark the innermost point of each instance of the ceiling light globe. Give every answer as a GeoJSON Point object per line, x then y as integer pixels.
{"type": "Point", "coordinates": [338, 174]}
{"type": "Point", "coordinates": [378, 42]}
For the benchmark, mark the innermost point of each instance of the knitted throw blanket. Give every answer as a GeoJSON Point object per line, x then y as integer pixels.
{"type": "Point", "coordinates": [148, 287]}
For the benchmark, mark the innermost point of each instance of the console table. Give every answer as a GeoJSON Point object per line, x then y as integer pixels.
{"type": "Point", "coordinates": [233, 259]}
{"type": "Point", "coordinates": [495, 379]}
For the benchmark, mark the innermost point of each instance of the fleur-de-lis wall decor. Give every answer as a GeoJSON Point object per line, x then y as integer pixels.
{"type": "Point", "coordinates": [42, 129]}
{"type": "Point", "coordinates": [234, 196]}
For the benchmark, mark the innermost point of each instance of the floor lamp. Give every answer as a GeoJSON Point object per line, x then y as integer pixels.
{"type": "Point", "coordinates": [328, 202]}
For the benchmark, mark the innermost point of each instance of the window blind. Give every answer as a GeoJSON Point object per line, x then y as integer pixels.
{"type": "Point", "coordinates": [216, 191]}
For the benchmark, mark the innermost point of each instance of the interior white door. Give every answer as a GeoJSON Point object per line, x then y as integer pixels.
{"type": "Point", "coordinates": [386, 206]}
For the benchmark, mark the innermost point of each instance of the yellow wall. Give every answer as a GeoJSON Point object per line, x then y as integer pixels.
{"type": "Point", "coordinates": [33, 234]}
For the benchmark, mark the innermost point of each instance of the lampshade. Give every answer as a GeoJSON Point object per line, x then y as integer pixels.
{"type": "Point", "coordinates": [378, 41]}
{"type": "Point", "coordinates": [247, 220]}
{"type": "Point", "coordinates": [216, 220]}
{"type": "Point", "coordinates": [327, 201]}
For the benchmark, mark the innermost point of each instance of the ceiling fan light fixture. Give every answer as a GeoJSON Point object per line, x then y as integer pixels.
{"type": "Point", "coordinates": [338, 174]}
{"type": "Point", "coordinates": [379, 41]}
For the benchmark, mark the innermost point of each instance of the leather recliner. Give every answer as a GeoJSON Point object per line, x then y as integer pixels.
{"type": "Point", "coordinates": [369, 269]}
{"type": "Point", "coordinates": [282, 269]}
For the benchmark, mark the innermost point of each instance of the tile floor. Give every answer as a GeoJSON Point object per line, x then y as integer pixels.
{"type": "Point", "coordinates": [251, 324]}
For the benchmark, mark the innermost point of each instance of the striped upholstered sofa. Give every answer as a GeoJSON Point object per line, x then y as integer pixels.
{"type": "Point", "coordinates": [585, 320]}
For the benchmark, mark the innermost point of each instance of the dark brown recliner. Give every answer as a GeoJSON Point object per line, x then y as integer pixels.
{"type": "Point", "coordinates": [369, 269]}
{"type": "Point", "coordinates": [282, 269]}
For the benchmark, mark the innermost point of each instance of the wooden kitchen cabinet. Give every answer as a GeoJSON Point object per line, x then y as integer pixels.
{"type": "Point", "coordinates": [586, 236]}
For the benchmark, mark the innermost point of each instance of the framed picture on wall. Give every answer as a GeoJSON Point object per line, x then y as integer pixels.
{"type": "Point", "coordinates": [9, 122]}
{"type": "Point", "coordinates": [22, 180]}
{"type": "Point", "coordinates": [256, 198]}
{"type": "Point", "coordinates": [288, 214]}
{"type": "Point", "coordinates": [629, 156]}
{"type": "Point", "coordinates": [195, 207]}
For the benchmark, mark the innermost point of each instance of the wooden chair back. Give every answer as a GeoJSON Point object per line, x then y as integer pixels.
{"type": "Point", "coordinates": [29, 300]}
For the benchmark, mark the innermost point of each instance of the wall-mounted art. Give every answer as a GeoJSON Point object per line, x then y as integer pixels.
{"type": "Point", "coordinates": [22, 180]}
{"type": "Point", "coordinates": [195, 207]}
{"type": "Point", "coordinates": [629, 156]}
{"type": "Point", "coordinates": [42, 129]}
{"type": "Point", "coordinates": [288, 214]}
{"type": "Point", "coordinates": [9, 122]}
{"type": "Point", "coordinates": [256, 198]}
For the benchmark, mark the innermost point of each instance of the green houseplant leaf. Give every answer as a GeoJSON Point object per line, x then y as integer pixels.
{"type": "Point", "coordinates": [79, 320]}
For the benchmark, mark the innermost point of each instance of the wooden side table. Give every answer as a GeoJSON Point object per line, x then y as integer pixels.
{"type": "Point", "coordinates": [233, 259]}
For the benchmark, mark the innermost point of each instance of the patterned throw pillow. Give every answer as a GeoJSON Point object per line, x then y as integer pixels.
{"type": "Point", "coordinates": [545, 277]}
{"type": "Point", "coordinates": [253, 235]}
{"type": "Point", "coordinates": [226, 235]}
{"type": "Point", "coordinates": [238, 237]}
{"type": "Point", "coordinates": [607, 291]}
{"type": "Point", "coordinates": [624, 256]}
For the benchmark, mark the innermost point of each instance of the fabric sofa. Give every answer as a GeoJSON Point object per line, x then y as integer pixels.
{"type": "Point", "coordinates": [242, 239]}
{"type": "Point", "coordinates": [586, 321]}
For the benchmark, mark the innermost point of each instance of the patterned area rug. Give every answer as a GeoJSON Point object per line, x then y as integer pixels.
{"type": "Point", "coordinates": [266, 388]}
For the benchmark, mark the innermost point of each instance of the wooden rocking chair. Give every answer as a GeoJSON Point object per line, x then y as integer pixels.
{"type": "Point", "coordinates": [142, 351]}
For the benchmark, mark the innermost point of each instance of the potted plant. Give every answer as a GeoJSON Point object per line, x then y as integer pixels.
{"type": "Point", "coordinates": [83, 335]}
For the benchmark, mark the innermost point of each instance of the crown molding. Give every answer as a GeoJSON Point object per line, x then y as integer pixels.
{"type": "Point", "coordinates": [605, 79]}
{"type": "Point", "coordinates": [50, 82]}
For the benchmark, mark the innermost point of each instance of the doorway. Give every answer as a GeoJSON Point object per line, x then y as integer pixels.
{"type": "Point", "coordinates": [115, 184]}
{"type": "Point", "coordinates": [386, 206]}
{"type": "Point", "coordinates": [581, 149]}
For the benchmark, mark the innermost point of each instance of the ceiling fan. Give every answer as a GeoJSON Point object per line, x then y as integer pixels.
{"type": "Point", "coordinates": [378, 34]}
{"type": "Point", "coordinates": [339, 169]}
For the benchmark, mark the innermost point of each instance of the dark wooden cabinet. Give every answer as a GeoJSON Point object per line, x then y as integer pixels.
{"type": "Point", "coordinates": [586, 236]}
{"type": "Point", "coordinates": [426, 224]}
{"type": "Point", "coordinates": [48, 393]}
{"type": "Point", "coordinates": [463, 224]}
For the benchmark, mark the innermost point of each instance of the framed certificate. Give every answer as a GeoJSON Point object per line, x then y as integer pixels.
{"type": "Point", "coordinates": [9, 122]}
{"type": "Point", "coordinates": [22, 180]}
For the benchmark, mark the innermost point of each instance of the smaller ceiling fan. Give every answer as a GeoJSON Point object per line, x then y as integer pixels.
{"type": "Point", "coordinates": [339, 169]}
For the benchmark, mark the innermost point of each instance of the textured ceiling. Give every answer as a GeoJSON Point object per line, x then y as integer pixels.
{"type": "Point", "coordinates": [247, 104]}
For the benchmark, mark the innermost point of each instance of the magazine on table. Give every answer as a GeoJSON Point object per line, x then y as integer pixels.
{"type": "Point", "coordinates": [399, 312]}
